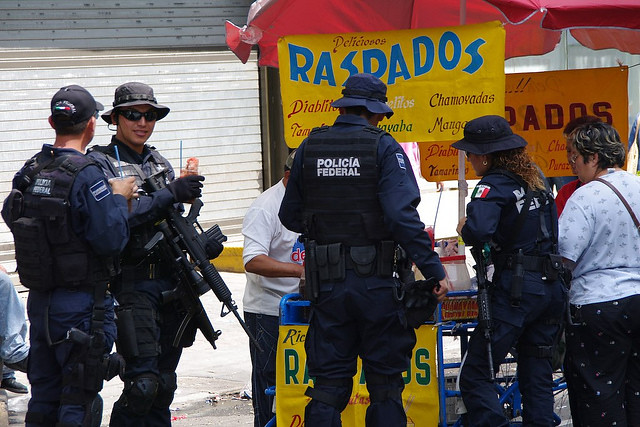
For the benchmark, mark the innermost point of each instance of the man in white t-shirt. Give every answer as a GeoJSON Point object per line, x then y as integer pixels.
{"type": "Point", "coordinates": [273, 259]}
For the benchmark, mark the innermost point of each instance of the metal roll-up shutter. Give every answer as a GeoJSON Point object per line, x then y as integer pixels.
{"type": "Point", "coordinates": [214, 116]}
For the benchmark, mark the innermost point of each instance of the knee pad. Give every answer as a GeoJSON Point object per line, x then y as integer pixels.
{"type": "Point", "coordinates": [139, 393]}
{"type": "Point", "coordinates": [167, 386]}
{"type": "Point", "coordinates": [333, 392]}
{"type": "Point", "coordinates": [384, 387]}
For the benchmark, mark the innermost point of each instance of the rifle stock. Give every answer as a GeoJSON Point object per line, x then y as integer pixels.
{"type": "Point", "coordinates": [189, 249]}
{"type": "Point", "coordinates": [484, 307]}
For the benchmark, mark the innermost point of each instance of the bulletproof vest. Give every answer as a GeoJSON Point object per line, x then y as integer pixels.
{"type": "Point", "coordinates": [547, 233]}
{"type": "Point", "coordinates": [48, 252]}
{"type": "Point", "coordinates": [140, 235]}
{"type": "Point", "coordinates": [340, 175]}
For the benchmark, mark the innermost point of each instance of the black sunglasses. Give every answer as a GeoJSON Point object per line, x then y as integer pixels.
{"type": "Point", "coordinates": [135, 115]}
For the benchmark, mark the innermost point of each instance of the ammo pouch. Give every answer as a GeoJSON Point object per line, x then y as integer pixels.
{"type": "Point", "coordinates": [330, 262]}
{"type": "Point", "coordinates": [33, 253]}
{"type": "Point", "coordinates": [372, 260]}
{"type": "Point", "coordinates": [552, 267]}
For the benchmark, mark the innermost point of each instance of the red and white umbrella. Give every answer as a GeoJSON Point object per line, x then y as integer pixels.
{"type": "Point", "coordinates": [532, 26]}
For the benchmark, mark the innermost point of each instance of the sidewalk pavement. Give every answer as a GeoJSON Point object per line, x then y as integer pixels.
{"type": "Point", "coordinates": [4, 409]}
{"type": "Point", "coordinates": [204, 374]}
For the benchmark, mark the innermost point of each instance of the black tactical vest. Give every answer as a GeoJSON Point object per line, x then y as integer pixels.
{"type": "Point", "coordinates": [129, 167]}
{"type": "Point", "coordinates": [48, 253]}
{"type": "Point", "coordinates": [134, 252]}
{"type": "Point", "coordinates": [340, 175]}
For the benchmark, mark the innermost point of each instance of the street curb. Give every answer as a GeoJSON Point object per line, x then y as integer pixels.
{"type": "Point", "coordinates": [230, 260]}
{"type": "Point", "coordinates": [4, 408]}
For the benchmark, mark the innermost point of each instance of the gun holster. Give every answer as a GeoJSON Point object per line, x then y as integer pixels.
{"type": "Point", "coordinates": [312, 280]}
{"type": "Point", "coordinates": [517, 279]}
{"type": "Point", "coordinates": [403, 266]}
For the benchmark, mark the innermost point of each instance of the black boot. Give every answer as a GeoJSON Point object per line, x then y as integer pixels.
{"type": "Point", "coordinates": [20, 365]}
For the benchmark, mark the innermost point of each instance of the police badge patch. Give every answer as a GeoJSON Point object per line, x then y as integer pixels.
{"type": "Point", "coordinates": [480, 192]}
{"type": "Point", "coordinates": [99, 190]}
{"type": "Point", "coordinates": [400, 158]}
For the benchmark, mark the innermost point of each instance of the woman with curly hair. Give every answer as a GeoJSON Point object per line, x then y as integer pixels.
{"type": "Point", "coordinates": [512, 215]}
{"type": "Point", "coordinates": [599, 242]}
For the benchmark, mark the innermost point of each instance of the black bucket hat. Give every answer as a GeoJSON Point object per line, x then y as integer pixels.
{"type": "Point", "coordinates": [135, 93]}
{"type": "Point", "coordinates": [488, 134]}
{"type": "Point", "coordinates": [365, 90]}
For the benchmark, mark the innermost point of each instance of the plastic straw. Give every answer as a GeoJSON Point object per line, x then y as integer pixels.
{"type": "Point", "coordinates": [437, 209]}
{"type": "Point", "coordinates": [118, 158]}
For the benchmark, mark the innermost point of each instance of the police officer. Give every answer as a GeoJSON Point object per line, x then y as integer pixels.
{"type": "Point", "coordinates": [512, 212]}
{"type": "Point", "coordinates": [68, 226]}
{"type": "Point", "coordinates": [146, 326]}
{"type": "Point", "coordinates": [353, 195]}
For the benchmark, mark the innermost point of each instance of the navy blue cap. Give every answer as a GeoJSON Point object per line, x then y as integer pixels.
{"type": "Point", "coordinates": [488, 134]}
{"type": "Point", "coordinates": [72, 105]}
{"type": "Point", "coordinates": [365, 90]}
{"type": "Point", "coordinates": [135, 93]}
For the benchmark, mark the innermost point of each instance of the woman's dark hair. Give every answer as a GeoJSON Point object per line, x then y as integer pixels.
{"type": "Point", "coordinates": [602, 139]}
{"type": "Point", "coordinates": [579, 121]}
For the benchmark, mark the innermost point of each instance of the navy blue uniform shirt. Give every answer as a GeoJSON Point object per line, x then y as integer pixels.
{"type": "Point", "coordinates": [99, 217]}
{"type": "Point", "coordinates": [492, 213]}
{"type": "Point", "coordinates": [398, 193]}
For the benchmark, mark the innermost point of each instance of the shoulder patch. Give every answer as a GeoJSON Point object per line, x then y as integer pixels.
{"type": "Point", "coordinates": [100, 190]}
{"type": "Point", "coordinates": [480, 192]}
{"type": "Point", "coordinates": [400, 158]}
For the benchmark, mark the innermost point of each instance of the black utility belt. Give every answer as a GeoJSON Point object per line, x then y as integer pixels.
{"type": "Point", "coordinates": [549, 265]}
{"type": "Point", "coordinates": [331, 261]}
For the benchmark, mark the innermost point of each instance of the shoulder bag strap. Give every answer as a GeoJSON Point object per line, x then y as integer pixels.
{"type": "Point", "coordinates": [623, 200]}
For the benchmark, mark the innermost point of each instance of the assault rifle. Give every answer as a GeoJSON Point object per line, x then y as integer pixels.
{"type": "Point", "coordinates": [484, 308]}
{"type": "Point", "coordinates": [190, 252]}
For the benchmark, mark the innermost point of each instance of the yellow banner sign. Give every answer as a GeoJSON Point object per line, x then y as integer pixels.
{"type": "Point", "coordinates": [437, 78]}
{"type": "Point", "coordinates": [538, 107]}
{"type": "Point", "coordinates": [420, 395]}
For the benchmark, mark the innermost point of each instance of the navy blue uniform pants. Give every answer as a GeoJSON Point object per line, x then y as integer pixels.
{"type": "Point", "coordinates": [358, 317]}
{"type": "Point", "coordinates": [47, 365]}
{"type": "Point", "coordinates": [263, 372]}
{"type": "Point", "coordinates": [524, 328]}
{"type": "Point", "coordinates": [161, 365]}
